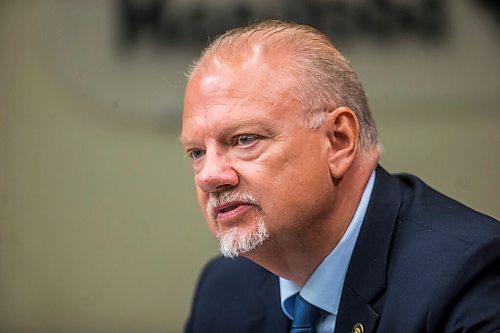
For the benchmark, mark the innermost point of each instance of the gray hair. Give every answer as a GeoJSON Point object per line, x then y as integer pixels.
{"type": "Point", "coordinates": [324, 79]}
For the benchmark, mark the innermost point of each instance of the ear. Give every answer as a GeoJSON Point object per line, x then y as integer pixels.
{"type": "Point", "coordinates": [343, 136]}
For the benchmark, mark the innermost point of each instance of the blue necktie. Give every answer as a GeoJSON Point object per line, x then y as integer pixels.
{"type": "Point", "coordinates": [305, 316]}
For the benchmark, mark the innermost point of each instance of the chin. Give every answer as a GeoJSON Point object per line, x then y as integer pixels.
{"type": "Point", "coordinates": [240, 241]}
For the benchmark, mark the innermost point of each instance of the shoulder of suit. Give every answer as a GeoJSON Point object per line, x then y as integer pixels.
{"type": "Point", "coordinates": [428, 208]}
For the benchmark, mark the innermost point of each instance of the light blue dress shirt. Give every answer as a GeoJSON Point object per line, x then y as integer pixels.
{"type": "Point", "coordinates": [324, 287]}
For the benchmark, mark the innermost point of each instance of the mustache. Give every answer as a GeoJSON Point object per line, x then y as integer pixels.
{"type": "Point", "coordinates": [221, 198]}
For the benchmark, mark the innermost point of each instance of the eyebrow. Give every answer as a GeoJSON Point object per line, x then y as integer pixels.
{"type": "Point", "coordinates": [262, 124]}
{"type": "Point", "coordinates": [184, 142]}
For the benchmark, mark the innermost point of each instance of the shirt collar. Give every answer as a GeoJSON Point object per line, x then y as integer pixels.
{"type": "Point", "coordinates": [324, 287]}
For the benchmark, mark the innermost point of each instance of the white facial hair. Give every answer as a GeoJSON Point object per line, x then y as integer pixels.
{"type": "Point", "coordinates": [237, 240]}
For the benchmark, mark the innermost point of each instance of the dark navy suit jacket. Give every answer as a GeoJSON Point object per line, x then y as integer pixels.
{"type": "Point", "coordinates": [422, 263]}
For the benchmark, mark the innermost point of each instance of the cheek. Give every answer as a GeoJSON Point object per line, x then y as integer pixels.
{"type": "Point", "coordinates": [297, 186]}
{"type": "Point", "coordinates": [202, 201]}
{"type": "Point", "coordinates": [299, 169]}
{"type": "Point", "coordinates": [202, 198]}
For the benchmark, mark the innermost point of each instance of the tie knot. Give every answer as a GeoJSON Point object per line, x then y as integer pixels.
{"type": "Point", "coordinates": [305, 315]}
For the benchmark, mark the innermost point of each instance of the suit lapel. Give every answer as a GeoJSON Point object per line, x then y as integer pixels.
{"type": "Point", "coordinates": [270, 318]}
{"type": "Point", "coordinates": [354, 311]}
{"type": "Point", "coordinates": [366, 276]}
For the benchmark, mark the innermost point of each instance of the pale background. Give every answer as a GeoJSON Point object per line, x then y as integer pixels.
{"type": "Point", "coordinates": [99, 228]}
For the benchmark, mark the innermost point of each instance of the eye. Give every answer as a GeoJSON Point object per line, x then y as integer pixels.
{"type": "Point", "coordinates": [245, 139]}
{"type": "Point", "coordinates": [196, 153]}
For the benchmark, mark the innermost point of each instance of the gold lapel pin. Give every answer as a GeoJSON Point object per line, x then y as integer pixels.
{"type": "Point", "coordinates": [358, 328]}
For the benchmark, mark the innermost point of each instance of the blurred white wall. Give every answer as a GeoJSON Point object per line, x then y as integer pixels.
{"type": "Point", "coordinates": [99, 227]}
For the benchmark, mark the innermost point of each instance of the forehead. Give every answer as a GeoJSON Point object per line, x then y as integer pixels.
{"type": "Point", "coordinates": [224, 93]}
{"type": "Point", "coordinates": [256, 74]}
{"type": "Point", "coordinates": [249, 69]}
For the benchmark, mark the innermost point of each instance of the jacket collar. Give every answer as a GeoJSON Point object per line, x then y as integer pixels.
{"type": "Point", "coordinates": [366, 276]}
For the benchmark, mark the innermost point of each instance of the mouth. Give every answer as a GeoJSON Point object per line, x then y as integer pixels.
{"type": "Point", "coordinates": [230, 210]}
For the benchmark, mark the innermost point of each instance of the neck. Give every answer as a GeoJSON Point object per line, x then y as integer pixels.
{"type": "Point", "coordinates": [296, 256]}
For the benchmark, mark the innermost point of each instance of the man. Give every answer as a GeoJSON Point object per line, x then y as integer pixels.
{"type": "Point", "coordinates": [320, 238]}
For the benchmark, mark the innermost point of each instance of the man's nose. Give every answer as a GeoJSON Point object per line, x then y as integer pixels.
{"type": "Point", "coordinates": [216, 174]}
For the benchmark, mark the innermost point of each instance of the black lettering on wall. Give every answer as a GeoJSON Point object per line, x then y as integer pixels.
{"type": "Point", "coordinates": [343, 20]}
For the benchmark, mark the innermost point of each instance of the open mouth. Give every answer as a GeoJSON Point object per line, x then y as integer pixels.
{"type": "Point", "coordinates": [230, 210]}
{"type": "Point", "coordinates": [227, 209]}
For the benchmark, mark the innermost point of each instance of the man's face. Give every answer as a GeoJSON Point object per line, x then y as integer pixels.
{"type": "Point", "coordinates": [259, 172]}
